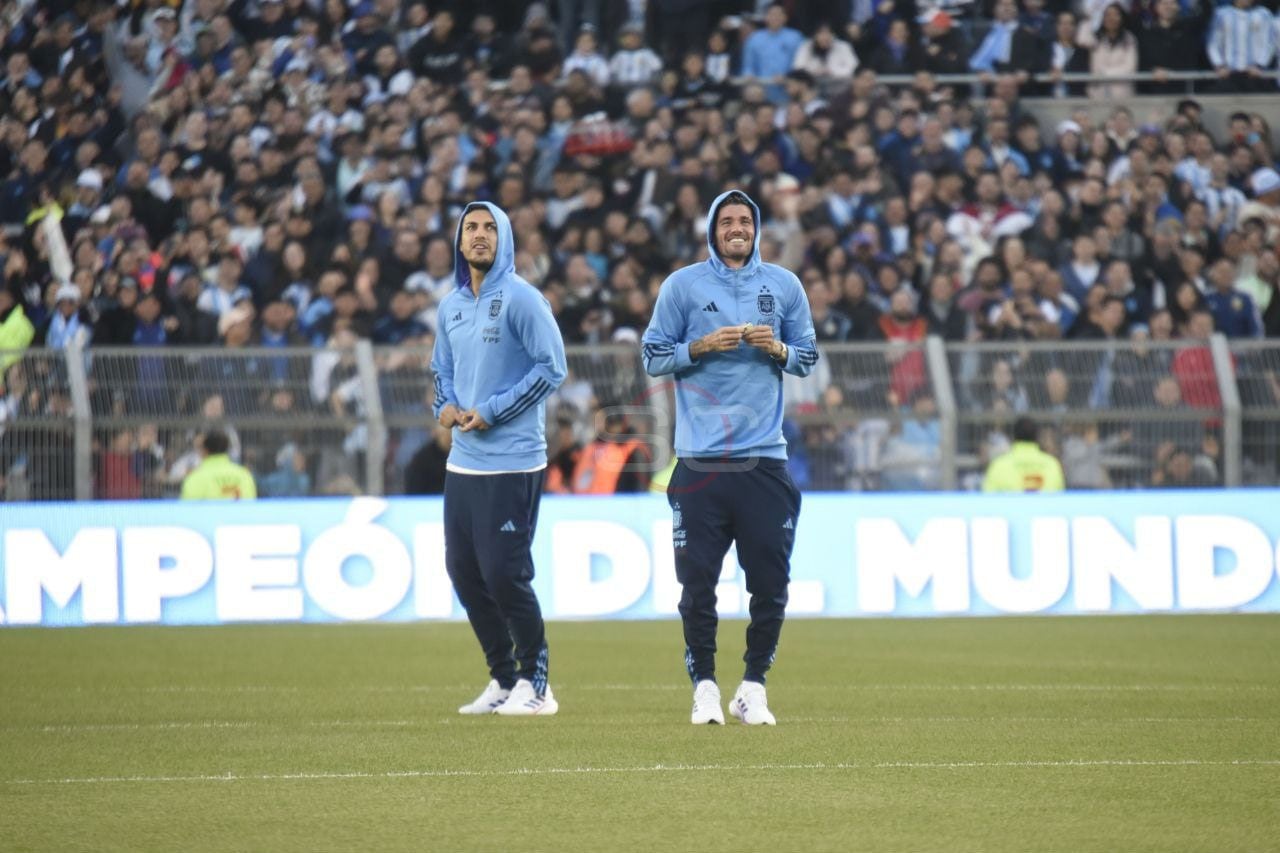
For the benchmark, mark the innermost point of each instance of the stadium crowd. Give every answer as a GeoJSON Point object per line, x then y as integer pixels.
{"type": "Point", "coordinates": [272, 173]}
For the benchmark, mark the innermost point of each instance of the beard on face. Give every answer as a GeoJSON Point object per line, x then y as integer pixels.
{"type": "Point", "coordinates": [481, 263]}
{"type": "Point", "coordinates": [727, 253]}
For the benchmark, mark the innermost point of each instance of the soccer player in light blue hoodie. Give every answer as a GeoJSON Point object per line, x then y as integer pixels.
{"type": "Point", "coordinates": [498, 356]}
{"type": "Point", "coordinates": [728, 328]}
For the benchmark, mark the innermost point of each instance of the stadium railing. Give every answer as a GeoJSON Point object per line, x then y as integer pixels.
{"type": "Point", "coordinates": [121, 423]}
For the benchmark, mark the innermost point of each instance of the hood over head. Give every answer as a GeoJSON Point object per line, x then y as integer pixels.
{"type": "Point", "coordinates": [753, 262]}
{"type": "Point", "coordinates": [504, 254]}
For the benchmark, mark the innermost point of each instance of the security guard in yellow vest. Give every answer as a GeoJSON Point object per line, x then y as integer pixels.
{"type": "Point", "coordinates": [1024, 467]}
{"type": "Point", "coordinates": [217, 478]}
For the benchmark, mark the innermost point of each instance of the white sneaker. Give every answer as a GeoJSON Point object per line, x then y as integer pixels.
{"type": "Point", "coordinates": [750, 705]}
{"type": "Point", "coordinates": [488, 700]}
{"type": "Point", "coordinates": [706, 704]}
{"type": "Point", "coordinates": [524, 702]}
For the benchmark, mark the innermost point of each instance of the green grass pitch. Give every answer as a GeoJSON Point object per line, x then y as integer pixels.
{"type": "Point", "coordinates": [1072, 734]}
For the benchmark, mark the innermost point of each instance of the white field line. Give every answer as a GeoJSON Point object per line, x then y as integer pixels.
{"type": "Point", "coordinates": [190, 725]}
{"type": "Point", "coordinates": [654, 768]}
{"type": "Point", "coordinates": [793, 687]}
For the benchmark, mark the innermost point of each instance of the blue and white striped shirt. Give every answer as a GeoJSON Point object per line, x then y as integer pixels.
{"type": "Point", "coordinates": [1228, 200]}
{"type": "Point", "coordinates": [1240, 39]}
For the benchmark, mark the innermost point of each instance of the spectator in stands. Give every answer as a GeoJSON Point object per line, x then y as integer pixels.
{"type": "Point", "coordinates": [633, 64]}
{"type": "Point", "coordinates": [227, 290]}
{"type": "Point", "coordinates": [1083, 270]}
{"type": "Point", "coordinates": [586, 58]}
{"type": "Point", "coordinates": [1166, 44]}
{"type": "Point", "coordinates": [1180, 471]}
{"type": "Point", "coordinates": [1265, 206]}
{"type": "Point", "coordinates": [116, 479]}
{"type": "Point", "coordinates": [1234, 312]}
{"type": "Point", "coordinates": [1066, 56]}
{"type": "Point", "coordinates": [768, 53]}
{"type": "Point", "coordinates": [1113, 52]}
{"type": "Point", "coordinates": [896, 53]}
{"type": "Point", "coordinates": [1241, 43]}
{"type": "Point", "coordinates": [1193, 366]}
{"type": "Point", "coordinates": [69, 321]}
{"type": "Point", "coordinates": [1029, 46]}
{"type": "Point", "coordinates": [440, 54]}
{"type": "Point", "coordinates": [996, 47]}
{"type": "Point", "coordinates": [826, 57]}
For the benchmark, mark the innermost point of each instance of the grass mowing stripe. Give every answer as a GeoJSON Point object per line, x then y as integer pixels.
{"type": "Point", "coordinates": [656, 768]}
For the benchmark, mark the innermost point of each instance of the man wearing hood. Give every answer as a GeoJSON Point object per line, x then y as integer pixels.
{"type": "Point", "coordinates": [728, 328]}
{"type": "Point", "coordinates": [498, 356]}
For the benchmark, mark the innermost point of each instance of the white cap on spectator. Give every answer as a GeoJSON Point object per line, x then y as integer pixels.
{"type": "Point", "coordinates": [786, 183]}
{"type": "Point", "coordinates": [1265, 180]}
{"type": "Point", "coordinates": [1068, 126]}
{"type": "Point", "coordinates": [101, 216]}
{"type": "Point", "coordinates": [626, 335]}
{"type": "Point", "coordinates": [66, 292]}
{"type": "Point", "coordinates": [91, 178]}
{"type": "Point", "coordinates": [298, 63]}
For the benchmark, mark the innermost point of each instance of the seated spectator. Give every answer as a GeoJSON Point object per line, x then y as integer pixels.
{"type": "Point", "coordinates": [587, 58]}
{"type": "Point", "coordinates": [633, 64]}
{"type": "Point", "coordinates": [896, 54]}
{"type": "Point", "coordinates": [69, 321]}
{"type": "Point", "coordinates": [944, 47]}
{"type": "Point", "coordinates": [825, 56]}
{"type": "Point", "coordinates": [1234, 312]}
{"type": "Point", "coordinates": [996, 48]}
{"type": "Point", "coordinates": [226, 291]}
{"type": "Point", "coordinates": [400, 326]}
{"type": "Point", "coordinates": [1180, 471]}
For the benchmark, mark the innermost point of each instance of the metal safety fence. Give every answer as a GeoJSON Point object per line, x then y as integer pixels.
{"type": "Point", "coordinates": [126, 423]}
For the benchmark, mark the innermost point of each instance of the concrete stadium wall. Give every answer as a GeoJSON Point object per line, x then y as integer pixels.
{"type": "Point", "coordinates": [335, 560]}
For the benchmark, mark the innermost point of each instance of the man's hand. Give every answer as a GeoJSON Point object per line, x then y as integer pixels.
{"type": "Point", "coordinates": [471, 420]}
{"type": "Point", "coordinates": [450, 416]}
{"type": "Point", "coordinates": [761, 337]}
{"type": "Point", "coordinates": [724, 339]}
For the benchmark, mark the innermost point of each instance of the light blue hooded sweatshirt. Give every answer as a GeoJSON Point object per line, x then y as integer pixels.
{"type": "Point", "coordinates": [500, 353]}
{"type": "Point", "coordinates": [729, 404]}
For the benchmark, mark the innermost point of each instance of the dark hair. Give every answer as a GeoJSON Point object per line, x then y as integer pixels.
{"type": "Point", "coordinates": [735, 197]}
{"type": "Point", "coordinates": [216, 441]}
{"type": "Point", "coordinates": [1024, 429]}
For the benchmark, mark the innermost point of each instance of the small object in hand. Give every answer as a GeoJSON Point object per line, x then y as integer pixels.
{"type": "Point", "coordinates": [746, 329]}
